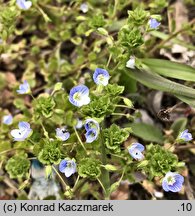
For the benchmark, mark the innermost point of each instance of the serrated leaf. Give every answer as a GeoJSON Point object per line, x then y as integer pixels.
{"type": "Point", "coordinates": [147, 132]}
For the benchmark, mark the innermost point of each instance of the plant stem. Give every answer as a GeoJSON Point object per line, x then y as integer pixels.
{"type": "Point", "coordinates": [77, 180]}
{"type": "Point", "coordinates": [68, 144]}
{"type": "Point", "coordinates": [115, 8]}
{"type": "Point", "coordinates": [105, 179]}
{"type": "Point", "coordinates": [124, 158]}
{"type": "Point", "coordinates": [45, 132]}
{"type": "Point", "coordinates": [32, 141]}
{"type": "Point", "coordinates": [121, 114]}
{"type": "Point", "coordinates": [60, 177]}
{"type": "Point", "coordinates": [79, 139]}
{"type": "Point", "coordinates": [122, 106]}
{"type": "Point", "coordinates": [101, 185]}
{"type": "Point", "coordinates": [185, 147]}
{"type": "Point", "coordinates": [109, 59]}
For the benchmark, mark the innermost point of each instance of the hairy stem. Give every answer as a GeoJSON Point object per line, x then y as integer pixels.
{"type": "Point", "coordinates": [79, 139]}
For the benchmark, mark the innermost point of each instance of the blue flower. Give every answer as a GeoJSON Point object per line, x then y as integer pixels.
{"type": "Point", "coordinates": [62, 133]}
{"type": "Point", "coordinates": [172, 182]}
{"type": "Point", "coordinates": [101, 76]}
{"type": "Point", "coordinates": [131, 63]}
{"type": "Point", "coordinates": [84, 7]}
{"type": "Point", "coordinates": [92, 130]}
{"type": "Point", "coordinates": [22, 133]}
{"type": "Point", "coordinates": [91, 124]}
{"type": "Point", "coordinates": [91, 135]}
{"type": "Point", "coordinates": [185, 136]}
{"type": "Point", "coordinates": [154, 24]}
{"type": "Point", "coordinates": [8, 119]}
{"type": "Point", "coordinates": [24, 88]}
{"type": "Point", "coordinates": [23, 4]}
{"type": "Point", "coordinates": [68, 167]}
{"type": "Point", "coordinates": [79, 95]}
{"type": "Point", "coordinates": [135, 150]}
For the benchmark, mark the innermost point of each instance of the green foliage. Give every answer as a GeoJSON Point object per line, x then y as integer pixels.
{"type": "Point", "coordinates": [44, 106]}
{"type": "Point", "coordinates": [114, 90]}
{"type": "Point", "coordinates": [178, 126]}
{"type": "Point", "coordinates": [147, 132]}
{"type": "Point", "coordinates": [4, 145]}
{"type": "Point", "coordinates": [170, 69]}
{"type": "Point", "coordinates": [138, 17]}
{"type": "Point", "coordinates": [56, 46]}
{"type": "Point", "coordinates": [97, 21]}
{"type": "Point", "coordinates": [114, 137]}
{"type": "Point", "coordinates": [103, 104]}
{"type": "Point", "coordinates": [130, 38]}
{"type": "Point", "coordinates": [49, 151]}
{"type": "Point", "coordinates": [158, 82]}
{"type": "Point", "coordinates": [18, 166]}
{"type": "Point", "coordinates": [160, 161]}
{"type": "Point", "coordinates": [89, 168]}
{"type": "Point", "coordinates": [8, 17]}
{"type": "Point", "coordinates": [99, 107]}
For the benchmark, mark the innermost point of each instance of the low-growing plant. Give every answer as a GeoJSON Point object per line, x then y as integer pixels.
{"type": "Point", "coordinates": [72, 126]}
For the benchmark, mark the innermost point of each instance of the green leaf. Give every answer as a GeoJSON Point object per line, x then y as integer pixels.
{"type": "Point", "coordinates": [178, 126]}
{"type": "Point", "coordinates": [155, 81]}
{"type": "Point", "coordinates": [58, 86]}
{"type": "Point", "coordinates": [45, 16]}
{"type": "Point", "coordinates": [5, 145]}
{"type": "Point", "coordinates": [128, 102]}
{"type": "Point", "coordinates": [170, 69]}
{"type": "Point", "coordinates": [19, 103]}
{"type": "Point", "coordinates": [142, 164]}
{"type": "Point", "coordinates": [103, 31]}
{"type": "Point", "coordinates": [147, 132]}
{"type": "Point", "coordinates": [129, 83]}
{"type": "Point", "coordinates": [114, 186]}
{"type": "Point", "coordinates": [110, 167]}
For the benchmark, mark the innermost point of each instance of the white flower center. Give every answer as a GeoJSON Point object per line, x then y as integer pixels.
{"type": "Point", "coordinates": [77, 96]}
{"type": "Point", "coordinates": [69, 164]}
{"type": "Point", "coordinates": [101, 78]}
{"type": "Point", "coordinates": [170, 180]}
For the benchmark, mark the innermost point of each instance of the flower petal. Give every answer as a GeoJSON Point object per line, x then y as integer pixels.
{"type": "Point", "coordinates": [91, 135]}
{"type": "Point", "coordinates": [63, 165]}
{"type": "Point", "coordinates": [79, 95]}
{"type": "Point", "coordinates": [24, 125]}
{"type": "Point", "coordinates": [23, 4]}
{"type": "Point", "coordinates": [165, 185]}
{"type": "Point", "coordinates": [101, 76]}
